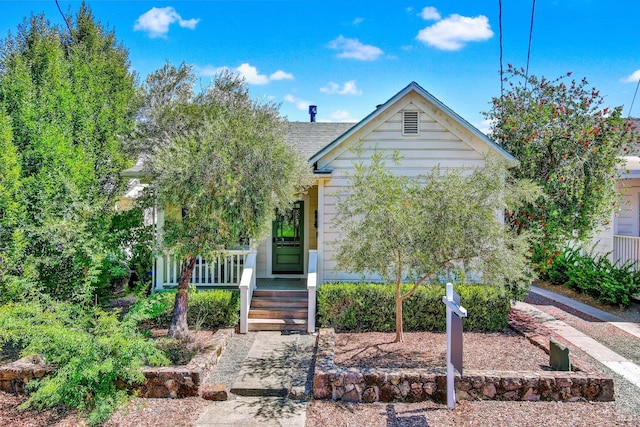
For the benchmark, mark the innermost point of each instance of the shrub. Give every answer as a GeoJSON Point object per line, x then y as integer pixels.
{"type": "Point", "coordinates": [361, 307]}
{"type": "Point", "coordinates": [92, 352]}
{"type": "Point", "coordinates": [596, 276]}
{"type": "Point", "coordinates": [209, 309]}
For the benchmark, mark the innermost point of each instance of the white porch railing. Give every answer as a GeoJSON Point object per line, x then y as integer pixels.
{"type": "Point", "coordinates": [224, 271]}
{"type": "Point", "coordinates": [312, 284]}
{"type": "Point", "coordinates": [626, 249]}
{"type": "Point", "coordinates": [246, 286]}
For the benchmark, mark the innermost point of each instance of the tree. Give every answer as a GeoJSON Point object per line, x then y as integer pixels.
{"type": "Point", "coordinates": [426, 229]}
{"type": "Point", "coordinates": [569, 143]}
{"type": "Point", "coordinates": [71, 100]}
{"type": "Point", "coordinates": [220, 166]}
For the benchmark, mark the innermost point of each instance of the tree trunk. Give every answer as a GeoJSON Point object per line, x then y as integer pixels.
{"type": "Point", "coordinates": [399, 335]}
{"type": "Point", "coordinates": [178, 328]}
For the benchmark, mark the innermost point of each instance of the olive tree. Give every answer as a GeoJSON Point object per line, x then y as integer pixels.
{"type": "Point", "coordinates": [423, 230]}
{"type": "Point", "coordinates": [220, 165]}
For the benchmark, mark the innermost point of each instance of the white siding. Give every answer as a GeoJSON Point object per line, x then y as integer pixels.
{"type": "Point", "coordinates": [439, 143]}
{"type": "Point", "coordinates": [626, 224]}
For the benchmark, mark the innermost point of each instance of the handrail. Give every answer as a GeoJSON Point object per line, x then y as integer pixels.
{"type": "Point", "coordinates": [312, 284]}
{"type": "Point", "coordinates": [247, 285]}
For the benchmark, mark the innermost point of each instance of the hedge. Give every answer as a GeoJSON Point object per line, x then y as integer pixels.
{"type": "Point", "coordinates": [367, 307]}
{"type": "Point", "coordinates": [209, 309]}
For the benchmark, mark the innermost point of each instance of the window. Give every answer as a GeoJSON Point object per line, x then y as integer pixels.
{"type": "Point", "coordinates": [410, 123]}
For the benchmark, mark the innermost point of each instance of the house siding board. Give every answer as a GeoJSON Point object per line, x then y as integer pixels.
{"type": "Point", "coordinates": [435, 146]}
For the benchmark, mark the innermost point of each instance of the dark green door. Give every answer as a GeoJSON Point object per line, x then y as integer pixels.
{"type": "Point", "coordinates": [287, 254]}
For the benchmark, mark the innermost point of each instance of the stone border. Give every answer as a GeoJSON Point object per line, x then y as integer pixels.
{"type": "Point", "coordinates": [16, 375]}
{"type": "Point", "coordinates": [187, 380]}
{"type": "Point", "coordinates": [160, 382]}
{"type": "Point", "coordinates": [370, 385]}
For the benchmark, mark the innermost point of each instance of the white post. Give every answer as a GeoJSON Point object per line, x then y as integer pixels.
{"type": "Point", "coordinates": [454, 340]}
{"type": "Point", "coordinates": [312, 284]}
{"type": "Point", "coordinates": [246, 285]}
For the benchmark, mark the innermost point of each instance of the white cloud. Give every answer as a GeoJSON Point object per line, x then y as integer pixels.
{"type": "Point", "coordinates": [354, 49]}
{"type": "Point", "coordinates": [349, 88]}
{"type": "Point", "coordinates": [485, 126]}
{"type": "Point", "coordinates": [430, 13]}
{"type": "Point", "coordinates": [455, 31]}
{"type": "Point", "coordinates": [251, 75]}
{"type": "Point", "coordinates": [155, 22]}
{"type": "Point", "coordinates": [301, 104]}
{"type": "Point", "coordinates": [247, 71]}
{"type": "Point", "coordinates": [281, 75]}
{"type": "Point", "coordinates": [358, 21]}
{"type": "Point", "coordinates": [633, 78]}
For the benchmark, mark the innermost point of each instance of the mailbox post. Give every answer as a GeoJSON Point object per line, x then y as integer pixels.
{"type": "Point", "coordinates": [455, 313]}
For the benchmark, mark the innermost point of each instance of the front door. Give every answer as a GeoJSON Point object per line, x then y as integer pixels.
{"type": "Point", "coordinates": [288, 244]}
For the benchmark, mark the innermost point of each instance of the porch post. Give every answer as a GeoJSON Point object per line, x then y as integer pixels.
{"type": "Point", "coordinates": [320, 244]}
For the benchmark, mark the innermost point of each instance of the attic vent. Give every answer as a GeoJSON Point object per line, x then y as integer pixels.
{"type": "Point", "coordinates": [410, 123]}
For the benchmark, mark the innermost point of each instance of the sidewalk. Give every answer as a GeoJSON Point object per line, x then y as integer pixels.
{"type": "Point", "coordinates": [269, 377]}
{"type": "Point", "coordinates": [609, 339]}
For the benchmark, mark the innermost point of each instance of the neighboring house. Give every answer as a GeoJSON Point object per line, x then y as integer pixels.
{"type": "Point", "coordinates": [424, 131]}
{"type": "Point", "coordinates": [620, 239]}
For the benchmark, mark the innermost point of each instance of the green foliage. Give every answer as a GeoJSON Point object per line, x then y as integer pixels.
{"type": "Point", "coordinates": [220, 164]}
{"type": "Point", "coordinates": [71, 99]}
{"type": "Point", "coordinates": [594, 275]}
{"type": "Point", "coordinates": [568, 143]}
{"type": "Point", "coordinates": [433, 227]}
{"type": "Point", "coordinates": [93, 354]}
{"type": "Point", "coordinates": [362, 307]}
{"type": "Point", "coordinates": [209, 309]}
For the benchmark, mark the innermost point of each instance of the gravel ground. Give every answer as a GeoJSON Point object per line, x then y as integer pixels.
{"type": "Point", "coordinates": [229, 363]}
{"type": "Point", "coordinates": [616, 339]}
{"type": "Point", "coordinates": [625, 411]}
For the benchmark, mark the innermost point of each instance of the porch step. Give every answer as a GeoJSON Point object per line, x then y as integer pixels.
{"type": "Point", "coordinates": [277, 324]}
{"type": "Point", "coordinates": [278, 313]}
{"type": "Point", "coordinates": [278, 310]}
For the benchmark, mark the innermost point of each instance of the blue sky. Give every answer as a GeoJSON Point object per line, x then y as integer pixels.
{"type": "Point", "coordinates": [349, 56]}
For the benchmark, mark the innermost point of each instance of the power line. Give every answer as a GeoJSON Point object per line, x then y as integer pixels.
{"type": "Point", "coordinates": [533, 12]}
{"type": "Point", "coordinates": [634, 98]}
{"type": "Point", "coordinates": [501, 49]}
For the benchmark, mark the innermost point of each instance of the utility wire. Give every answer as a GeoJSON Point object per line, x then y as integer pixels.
{"type": "Point", "coordinates": [65, 19]}
{"type": "Point", "coordinates": [533, 12]}
{"type": "Point", "coordinates": [634, 98]}
{"type": "Point", "coordinates": [501, 48]}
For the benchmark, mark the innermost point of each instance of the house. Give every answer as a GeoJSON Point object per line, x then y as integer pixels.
{"type": "Point", "coordinates": [300, 250]}
{"type": "Point", "coordinates": [620, 239]}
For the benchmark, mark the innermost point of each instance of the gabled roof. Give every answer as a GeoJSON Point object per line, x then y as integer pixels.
{"type": "Point", "coordinates": [413, 87]}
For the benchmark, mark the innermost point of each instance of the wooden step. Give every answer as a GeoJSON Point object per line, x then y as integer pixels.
{"type": "Point", "coordinates": [279, 294]}
{"type": "Point", "coordinates": [277, 325]}
{"type": "Point", "coordinates": [276, 303]}
{"type": "Point", "coordinates": [278, 313]}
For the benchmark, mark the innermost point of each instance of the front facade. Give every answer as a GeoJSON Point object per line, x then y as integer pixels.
{"type": "Point", "coordinates": [424, 131]}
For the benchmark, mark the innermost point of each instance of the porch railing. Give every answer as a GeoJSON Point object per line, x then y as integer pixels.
{"type": "Point", "coordinates": [626, 249]}
{"type": "Point", "coordinates": [246, 286]}
{"type": "Point", "coordinates": [312, 285]}
{"type": "Point", "coordinates": [226, 270]}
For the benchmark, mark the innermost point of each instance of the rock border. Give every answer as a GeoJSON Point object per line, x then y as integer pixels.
{"type": "Point", "coordinates": [368, 385]}
{"type": "Point", "coordinates": [186, 380]}
{"type": "Point", "coordinates": [160, 382]}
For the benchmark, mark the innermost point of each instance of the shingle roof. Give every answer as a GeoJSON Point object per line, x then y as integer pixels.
{"type": "Point", "coordinates": [312, 137]}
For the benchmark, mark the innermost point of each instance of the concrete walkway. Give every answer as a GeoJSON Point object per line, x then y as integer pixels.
{"type": "Point", "coordinates": [629, 327]}
{"type": "Point", "coordinates": [269, 376]}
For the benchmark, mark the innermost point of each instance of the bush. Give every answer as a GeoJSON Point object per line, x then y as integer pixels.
{"type": "Point", "coordinates": [596, 276]}
{"type": "Point", "coordinates": [360, 307]}
{"type": "Point", "coordinates": [94, 354]}
{"type": "Point", "coordinates": [209, 309]}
